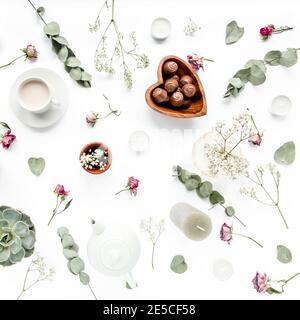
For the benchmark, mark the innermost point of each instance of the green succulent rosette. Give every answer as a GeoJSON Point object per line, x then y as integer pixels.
{"type": "Point", "coordinates": [17, 236]}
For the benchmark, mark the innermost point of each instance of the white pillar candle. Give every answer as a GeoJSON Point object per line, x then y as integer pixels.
{"type": "Point", "coordinates": [195, 224]}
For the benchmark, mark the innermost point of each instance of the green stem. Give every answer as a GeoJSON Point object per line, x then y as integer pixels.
{"type": "Point", "coordinates": [241, 235]}
{"type": "Point", "coordinates": [281, 214]}
{"type": "Point", "coordinates": [37, 11]}
{"type": "Point", "coordinates": [93, 293]}
{"type": "Point", "coordinates": [12, 62]}
{"type": "Point", "coordinates": [113, 10]}
{"type": "Point", "coordinates": [152, 256]}
{"type": "Point", "coordinates": [126, 189]}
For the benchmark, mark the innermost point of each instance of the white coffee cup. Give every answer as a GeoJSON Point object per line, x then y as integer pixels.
{"type": "Point", "coordinates": [36, 95]}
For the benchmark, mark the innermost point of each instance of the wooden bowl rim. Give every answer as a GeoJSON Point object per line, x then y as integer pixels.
{"type": "Point", "coordinates": [92, 145]}
{"type": "Point", "coordinates": [166, 110]}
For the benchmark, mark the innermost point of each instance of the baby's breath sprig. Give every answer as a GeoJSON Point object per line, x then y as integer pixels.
{"type": "Point", "coordinates": [104, 60]}
{"type": "Point", "coordinates": [221, 153]}
{"type": "Point", "coordinates": [258, 179]}
{"type": "Point", "coordinates": [38, 268]}
{"type": "Point", "coordinates": [191, 27]}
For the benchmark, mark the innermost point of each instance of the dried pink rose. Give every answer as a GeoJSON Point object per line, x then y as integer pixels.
{"type": "Point", "coordinates": [267, 31]}
{"type": "Point", "coordinates": [131, 186]}
{"type": "Point", "coordinates": [92, 118]}
{"type": "Point", "coordinates": [30, 52]}
{"type": "Point", "coordinates": [195, 61]}
{"type": "Point", "coordinates": [260, 282]}
{"type": "Point", "coordinates": [7, 139]}
{"type": "Point", "coordinates": [256, 139]}
{"type": "Point", "coordinates": [60, 191]}
{"type": "Point", "coordinates": [226, 233]}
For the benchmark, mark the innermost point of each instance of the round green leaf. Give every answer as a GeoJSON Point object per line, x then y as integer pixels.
{"type": "Point", "coordinates": [286, 153]}
{"type": "Point", "coordinates": [41, 11]}
{"type": "Point", "coordinates": [233, 32]}
{"type": "Point", "coordinates": [4, 254]}
{"type": "Point", "coordinates": [259, 63]}
{"type": "Point", "coordinates": [85, 76]}
{"type": "Point", "coordinates": [52, 29]}
{"type": "Point", "coordinates": [61, 40]}
{"type": "Point", "coordinates": [191, 184]}
{"type": "Point", "coordinates": [16, 246]}
{"type": "Point", "coordinates": [243, 74]}
{"type": "Point", "coordinates": [230, 211]}
{"type": "Point", "coordinates": [67, 241]}
{"type": "Point", "coordinates": [205, 189]}
{"type": "Point", "coordinates": [75, 73]}
{"type": "Point", "coordinates": [76, 265]}
{"type": "Point", "coordinates": [69, 253]}
{"type": "Point", "coordinates": [257, 76]}
{"type": "Point", "coordinates": [63, 53]}
{"type": "Point", "coordinates": [288, 57]}
{"type": "Point", "coordinates": [84, 278]}
{"type": "Point", "coordinates": [62, 231]}
{"type": "Point", "coordinates": [236, 82]}
{"type": "Point", "coordinates": [73, 62]}
{"type": "Point", "coordinates": [36, 165]}
{"type": "Point", "coordinates": [284, 254]}
{"type": "Point", "coordinates": [178, 264]}
{"type": "Point", "coordinates": [216, 198]}
{"type": "Point", "coordinates": [273, 57]}
{"type": "Point", "coordinates": [184, 175]}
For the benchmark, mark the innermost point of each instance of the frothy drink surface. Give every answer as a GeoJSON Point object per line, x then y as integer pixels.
{"type": "Point", "coordinates": [34, 94]}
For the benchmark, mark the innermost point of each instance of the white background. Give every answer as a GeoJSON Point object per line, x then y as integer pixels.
{"type": "Point", "coordinates": [159, 191]}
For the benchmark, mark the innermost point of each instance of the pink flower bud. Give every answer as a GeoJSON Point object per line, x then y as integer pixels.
{"type": "Point", "coordinates": [260, 282]}
{"type": "Point", "coordinates": [31, 52]}
{"type": "Point", "coordinates": [226, 233]}
{"type": "Point", "coordinates": [7, 139]}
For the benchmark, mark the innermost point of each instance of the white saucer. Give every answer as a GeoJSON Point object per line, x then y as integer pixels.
{"type": "Point", "coordinates": [54, 113]}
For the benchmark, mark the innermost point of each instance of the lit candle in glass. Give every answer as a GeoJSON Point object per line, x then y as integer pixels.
{"type": "Point", "coordinates": [195, 224]}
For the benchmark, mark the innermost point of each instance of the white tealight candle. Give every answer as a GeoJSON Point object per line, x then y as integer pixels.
{"type": "Point", "coordinates": [160, 28]}
{"type": "Point", "coordinates": [280, 106]}
{"type": "Point", "coordinates": [195, 224]}
{"type": "Point", "coordinates": [138, 141]}
{"type": "Point", "coordinates": [222, 269]}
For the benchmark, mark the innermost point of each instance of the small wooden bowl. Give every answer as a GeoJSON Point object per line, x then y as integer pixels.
{"type": "Point", "coordinates": [198, 107]}
{"type": "Point", "coordinates": [95, 145]}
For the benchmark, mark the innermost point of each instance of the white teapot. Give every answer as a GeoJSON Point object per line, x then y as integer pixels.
{"type": "Point", "coordinates": [114, 249]}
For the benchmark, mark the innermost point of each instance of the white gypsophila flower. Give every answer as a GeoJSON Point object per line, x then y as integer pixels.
{"type": "Point", "coordinates": [153, 227]}
{"type": "Point", "coordinates": [191, 28]}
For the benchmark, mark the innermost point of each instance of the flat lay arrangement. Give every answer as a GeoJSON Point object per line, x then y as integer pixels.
{"type": "Point", "coordinates": [159, 161]}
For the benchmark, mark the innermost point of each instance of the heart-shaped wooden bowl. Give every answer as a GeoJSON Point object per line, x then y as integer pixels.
{"type": "Point", "coordinates": [198, 107]}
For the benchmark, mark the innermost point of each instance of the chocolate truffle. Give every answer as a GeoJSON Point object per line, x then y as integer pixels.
{"type": "Point", "coordinates": [189, 90]}
{"type": "Point", "coordinates": [171, 85]}
{"type": "Point", "coordinates": [186, 80]}
{"type": "Point", "coordinates": [177, 99]}
{"type": "Point", "coordinates": [170, 68]}
{"type": "Point", "coordinates": [160, 95]}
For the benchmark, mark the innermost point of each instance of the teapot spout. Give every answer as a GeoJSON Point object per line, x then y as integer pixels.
{"type": "Point", "coordinates": [97, 226]}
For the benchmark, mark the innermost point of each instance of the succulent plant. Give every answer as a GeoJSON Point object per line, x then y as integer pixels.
{"type": "Point", "coordinates": [17, 236]}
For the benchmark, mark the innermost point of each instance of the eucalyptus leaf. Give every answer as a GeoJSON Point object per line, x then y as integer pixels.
{"type": "Point", "coordinates": [205, 189]}
{"type": "Point", "coordinates": [259, 63]}
{"type": "Point", "coordinates": [178, 264]}
{"type": "Point", "coordinates": [36, 165]}
{"type": "Point", "coordinates": [85, 76]}
{"type": "Point", "coordinates": [284, 254]}
{"type": "Point", "coordinates": [271, 290]}
{"type": "Point", "coordinates": [273, 57]}
{"type": "Point", "coordinates": [184, 175]}
{"type": "Point", "coordinates": [73, 62]}
{"type": "Point", "coordinates": [236, 82]}
{"type": "Point", "coordinates": [191, 184]}
{"type": "Point", "coordinates": [76, 265]}
{"type": "Point", "coordinates": [63, 53]}
{"type": "Point", "coordinates": [67, 241]}
{"type": "Point", "coordinates": [230, 212]}
{"type": "Point", "coordinates": [69, 253]}
{"type": "Point", "coordinates": [75, 73]}
{"type": "Point", "coordinates": [257, 76]}
{"type": "Point", "coordinates": [52, 29]}
{"type": "Point", "coordinates": [84, 278]}
{"type": "Point", "coordinates": [216, 198]}
{"type": "Point", "coordinates": [62, 231]}
{"type": "Point", "coordinates": [243, 75]}
{"type": "Point", "coordinates": [41, 11]}
{"type": "Point", "coordinates": [289, 57]}
{"type": "Point", "coordinates": [61, 40]}
{"type": "Point", "coordinates": [286, 153]}
{"type": "Point", "coordinates": [233, 32]}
